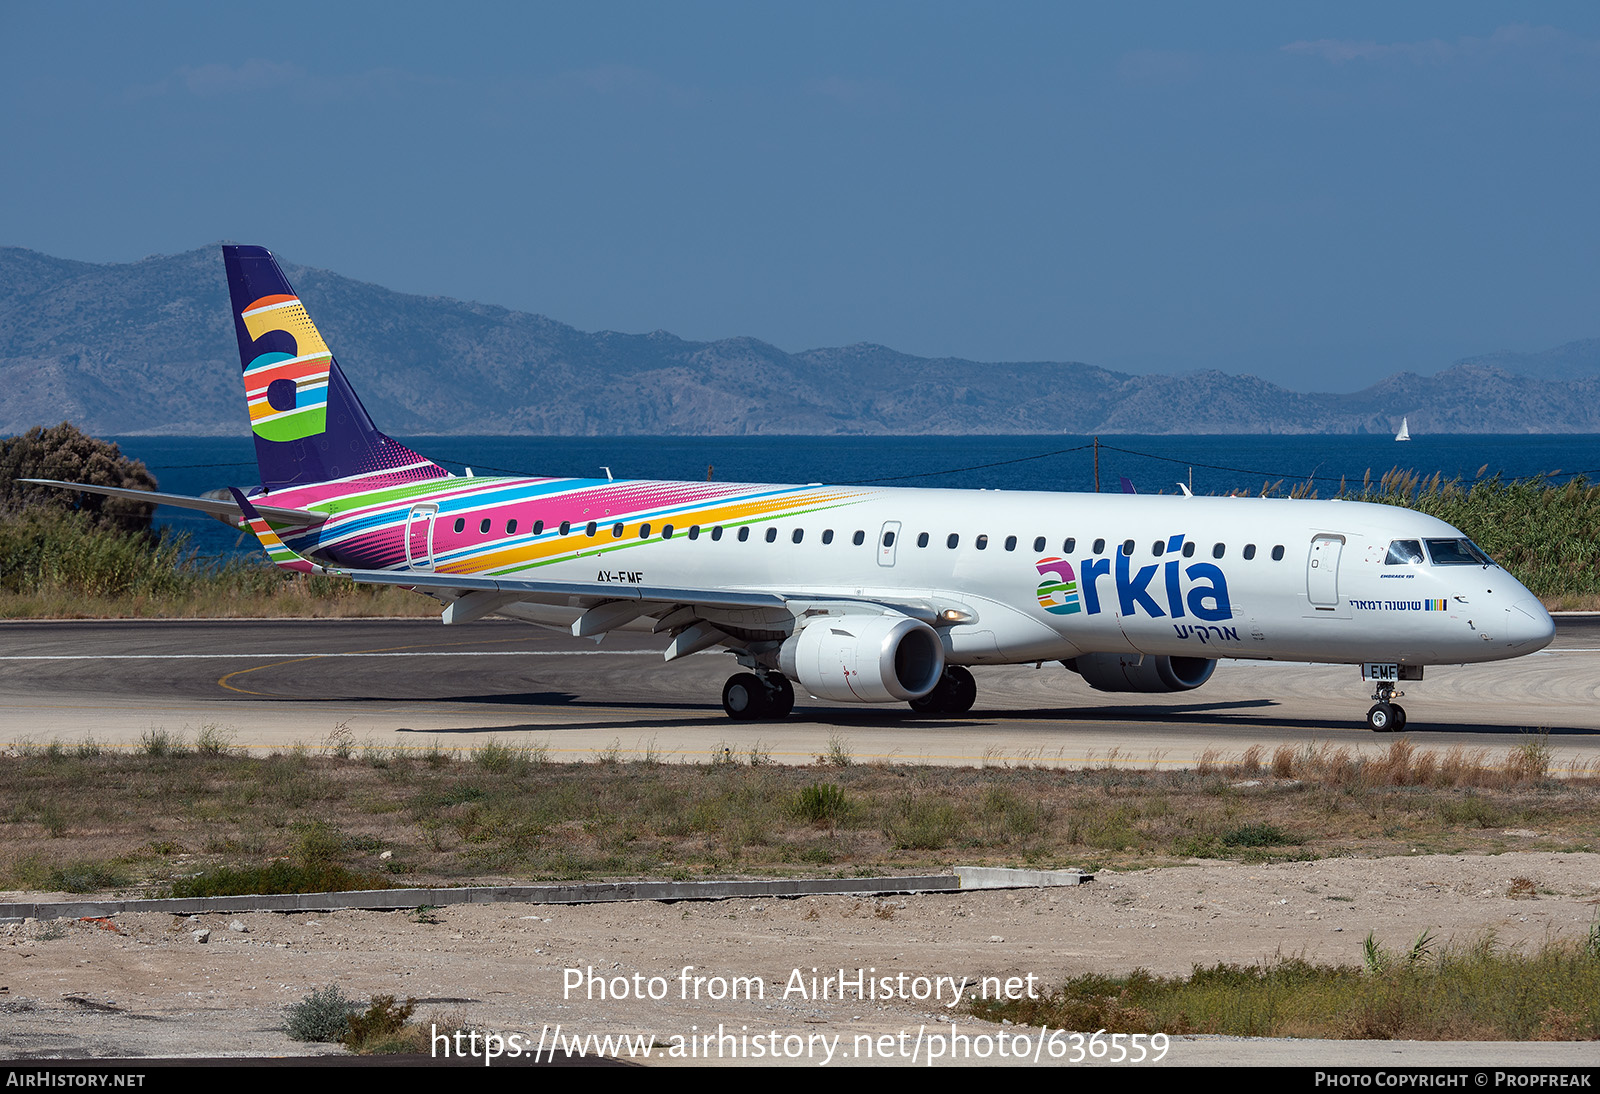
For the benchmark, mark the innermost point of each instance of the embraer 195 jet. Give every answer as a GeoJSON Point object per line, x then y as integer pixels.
{"type": "Point", "coordinates": [854, 594]}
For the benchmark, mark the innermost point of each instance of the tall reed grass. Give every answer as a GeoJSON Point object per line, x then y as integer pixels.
{"type": "Point", "coordinates": [55, 564]}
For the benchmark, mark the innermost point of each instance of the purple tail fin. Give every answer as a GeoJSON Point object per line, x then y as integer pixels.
{"type": "Point", "coordinates": [308, 424]}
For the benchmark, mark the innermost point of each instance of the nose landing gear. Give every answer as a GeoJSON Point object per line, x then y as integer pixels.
{"type": "Point", "coordinates": [1386, 716]}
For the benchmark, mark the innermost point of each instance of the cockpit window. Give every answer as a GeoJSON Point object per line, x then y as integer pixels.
{"type": "Point", "coordinates": [1404, 552]}
{"type": "Point", "coordinates": [1457, 552]}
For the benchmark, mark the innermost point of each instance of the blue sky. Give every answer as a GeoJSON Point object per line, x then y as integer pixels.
{"type": "Point", "coordinates": [1319, 194]}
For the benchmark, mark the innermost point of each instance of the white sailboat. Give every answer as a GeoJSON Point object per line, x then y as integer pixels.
{"type": "Point", "coordinates": [1405, 433]}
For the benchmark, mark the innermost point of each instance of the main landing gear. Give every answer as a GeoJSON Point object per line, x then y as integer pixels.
{"type": "Point", "coordinates": [749, 697]}
{"type": "Point", "coordinates": [1386, 716]}
{"type": "Point", "coordinates": [955, 693]}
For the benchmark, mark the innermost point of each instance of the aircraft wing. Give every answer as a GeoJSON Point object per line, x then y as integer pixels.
{"type": "Point", "coordinates": [215, 507]}
{"type": "Point", "coordinates": [691, 614]}
{"type": "Point", "coordinates": [651, 598]}
{"type": "Point", "coordinates": [547, 590]}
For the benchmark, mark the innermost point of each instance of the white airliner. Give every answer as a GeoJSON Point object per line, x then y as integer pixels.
{"type": "Point", "coordinates": [856, 594]}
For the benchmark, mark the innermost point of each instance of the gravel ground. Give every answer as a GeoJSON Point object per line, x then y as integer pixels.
{"type": "Point", "coordinates": [142, 985]}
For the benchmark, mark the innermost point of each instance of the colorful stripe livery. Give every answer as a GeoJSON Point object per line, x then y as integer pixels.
{"type": "Point", "coordinates": [390, 508]}
{"type": "Point", "coordinates": [524, 518]}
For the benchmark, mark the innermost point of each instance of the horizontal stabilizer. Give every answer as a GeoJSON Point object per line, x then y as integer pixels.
{"type": "Point", "coordinates": [215, 507]}
{"type": "Point", "coordinates": [283, 556]}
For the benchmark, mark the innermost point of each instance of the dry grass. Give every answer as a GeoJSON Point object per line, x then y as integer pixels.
{"type": "Point", "coordinates": [81, 817]}
{"type": "Point", "coordinates": [295, 598]}
{"type": "Point", "coordinates": [1473, 992]}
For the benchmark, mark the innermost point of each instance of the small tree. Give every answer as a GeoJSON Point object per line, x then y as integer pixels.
{"type": "Point", "coordinates": [67, 454]}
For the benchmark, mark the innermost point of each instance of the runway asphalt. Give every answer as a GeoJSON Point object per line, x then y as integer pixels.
{"type": "Point", "coordinates": [417, 684]}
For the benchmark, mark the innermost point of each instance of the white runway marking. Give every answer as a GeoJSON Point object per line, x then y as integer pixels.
{"type": "Point", "coordinates": [295, 653]}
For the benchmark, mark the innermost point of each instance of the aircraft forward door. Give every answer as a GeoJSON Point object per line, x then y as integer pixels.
{"type": "Point", "coordinates": [1322, 571]}
{"type": "Point", "coordinates": [419, 536]}
{"type": "Point", "coordinates": [888, 542]}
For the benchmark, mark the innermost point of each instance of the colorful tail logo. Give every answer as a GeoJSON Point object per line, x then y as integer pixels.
{"type": "Point", "coordinates": [309, 426]}
{"type": "Point", "coordinates": [287, 392]}
{"type": "Point", "coordinates": [1058, 592]}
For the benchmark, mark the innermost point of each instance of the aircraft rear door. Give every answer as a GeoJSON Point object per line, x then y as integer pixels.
{"type": "Point", "coordinates": [1322, 571]}
{"type": "Point", "coordinates": [419, 536]}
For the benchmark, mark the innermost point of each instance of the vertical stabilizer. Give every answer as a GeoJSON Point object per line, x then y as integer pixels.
{"type": "Point", "coordinates": [308, 424]}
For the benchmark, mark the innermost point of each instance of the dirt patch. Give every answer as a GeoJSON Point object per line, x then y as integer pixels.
{"type": "Point", "coordinates": [144, 985]}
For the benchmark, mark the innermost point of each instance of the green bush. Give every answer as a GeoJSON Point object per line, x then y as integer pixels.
{"type": "Point", "coordinates": [324, 1015]}
{"type": "Point", "coordinates": [820, 803]}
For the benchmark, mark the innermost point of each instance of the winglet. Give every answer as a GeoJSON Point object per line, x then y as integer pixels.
{"type": "Point", "coordinates": [280, 552]}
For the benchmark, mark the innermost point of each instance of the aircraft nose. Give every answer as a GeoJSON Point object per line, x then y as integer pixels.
{"type": "Point", "coordinates": [1528, 626]}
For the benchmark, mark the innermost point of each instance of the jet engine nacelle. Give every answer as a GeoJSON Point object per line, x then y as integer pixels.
{"type": "Point", "coordinates": [864, 658]}
{"type": "Point", "coordinates": [1141, 672]}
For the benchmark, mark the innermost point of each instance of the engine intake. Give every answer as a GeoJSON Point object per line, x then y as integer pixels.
{"type": "Point", "coordinates": [1141, 672]}
{"type": "Point", "coordinates": [864, 658]}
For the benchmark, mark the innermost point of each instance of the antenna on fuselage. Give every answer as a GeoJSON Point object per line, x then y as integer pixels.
{"type": "Point", "coordinates": [607, 470]}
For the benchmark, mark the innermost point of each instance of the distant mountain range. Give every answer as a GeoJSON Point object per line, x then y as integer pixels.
{"type": "Point", "coordinates": [147, 347]}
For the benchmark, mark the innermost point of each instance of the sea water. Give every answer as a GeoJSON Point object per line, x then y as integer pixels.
{"type": "Point", "coordinates": [1206, 464]}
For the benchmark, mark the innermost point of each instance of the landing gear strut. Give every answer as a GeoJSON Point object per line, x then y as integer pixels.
{"type": "Point", "coordinates": [1386, 716]}
{"type": "Point", "coordinates": [955, 693]}
{"type": "Point", "coordinates": [748, 697]}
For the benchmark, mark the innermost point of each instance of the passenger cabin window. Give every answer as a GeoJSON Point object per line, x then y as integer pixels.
{"type": "Point", "coordinates": [1277, 553]}
{"type": "Point", "coordinates": [461, 524]}
{"type": "Point", "coordinates": [772, 535]}
{"type": "Point", "coordinates": [827, 535]}
{"type": "Point", "coordinates": [1011, 543]}
{"type": "Point", "coordinates": [1158, 548]}
{"type": "Point", "coordinates": [888, 539]}
{"type": "Point", "coordinates": [666, 531]}
{"type": "Point", "coordinates": [616, 530]}
{"type": "Point", "coordinates": [483, 526]}
{"type": "Point", "coordinates": [1038, 544]}
{"type": "Point", "coordinates": [1249, 551]}
{"type": "Point", "coordinates": [799, 534]}
{"type": "Point", "coordinates": [644, 531]}
{"type": "Point", "coordinates": [1099, 546]}
{"type": "Point", "coordinates": [538, 528]}
{"type": "Point", "coordinates": [744, 533]}
{"type": "Point", "coordinates": [1188, 549]}
{"type": "Point", "coordinates": [983, 543]}
{"type": "Point", "coordinates": [859, 538]}
{"type": "Point", "coordinates": [590, 529]}
{"type": "Point", "coordinates": [922, 539]}
{"type": "Point", "coordinates": [694, 531]}
{"type": "Point", "coordinates": [1218, 550]}
{"type": "Point", "coordinates": [1072, 545]}
{"type": "Point", "coordinates": [1404, 552]}
{"type": "Point", "coordinates": [566, 526]}
{"type": "Point", "coordinates": [716, 533]}
{"type": "Point", "coordinates": [952, 541]}
{"type": "Point", "coordinates": [1127, 547]}
{"type": "Point", "coordinates": [511, 527]}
